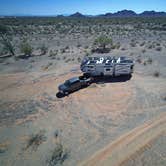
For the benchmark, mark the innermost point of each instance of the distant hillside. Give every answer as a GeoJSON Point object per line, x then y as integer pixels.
{"type": "Point", "coordinates": [153, 14]}
{"type": "Point", "coordinates": [77, 15]}
{"type": "Point", "coordinates": [124, 13]}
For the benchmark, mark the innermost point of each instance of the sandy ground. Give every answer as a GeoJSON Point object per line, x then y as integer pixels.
{"type": "Point", "coordinates": [86, 120]}
{"type": "Point", "coordinates": [89, 119]}
{"type": "Point", "coordinates": [121, 149]}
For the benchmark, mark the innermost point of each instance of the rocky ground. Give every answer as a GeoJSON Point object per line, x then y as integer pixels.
{"type": "Point", "coordinates": [39, 128]}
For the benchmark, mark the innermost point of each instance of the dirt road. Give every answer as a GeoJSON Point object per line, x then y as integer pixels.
{"type": "Point", "coordinates": [122, 148]}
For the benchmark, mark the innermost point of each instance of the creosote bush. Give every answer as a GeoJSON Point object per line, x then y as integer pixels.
{"type": "Point", "coordinates": [58, 156]}
{"type": "Point", "coordinates": [6, 40]}
{"type": "Point", "coordinates": [26, 48]}
{"type": "Point", "coordinates": [35, 140]}
{"type": "Point", "coordinates": [156, 74]}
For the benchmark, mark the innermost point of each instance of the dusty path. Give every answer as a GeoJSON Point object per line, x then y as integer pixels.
{"type": "Point", "coordinates": [122, 148]}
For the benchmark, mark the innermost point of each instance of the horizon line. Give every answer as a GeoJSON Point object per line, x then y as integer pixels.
{"type": "Point", "coordinates": [63, 14]}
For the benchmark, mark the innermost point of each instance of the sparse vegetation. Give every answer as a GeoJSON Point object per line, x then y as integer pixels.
{"type": "Point", "coordinates": [6, 40]}
{"type": "Point", "coordinates": [58, 156]}
{"type": "Point", "coordinates": [4, 147]}
{"type": "Point", "coordinates": [35, 140]}
{"type": "Point", "coordinates": [102, 42]}
{"type": "Point", "coordinates": [156, 74]}
{"type": "Point", "coordinates": [133, 43]}
{"type": "Point", "coordinates": [158, 48]}
{"type": "Point", "coordinates": [26, 48]}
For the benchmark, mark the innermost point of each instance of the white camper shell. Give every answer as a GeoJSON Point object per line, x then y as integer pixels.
{"type": "Point", "coordinates": [107, 66]}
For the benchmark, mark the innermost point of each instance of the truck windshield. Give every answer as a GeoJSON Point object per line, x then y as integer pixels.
{"type": "Point", "coordinates": [67, 83]}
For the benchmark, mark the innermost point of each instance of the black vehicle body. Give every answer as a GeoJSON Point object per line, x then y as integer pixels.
{"type": "Point", "coordinates": [74, 84]}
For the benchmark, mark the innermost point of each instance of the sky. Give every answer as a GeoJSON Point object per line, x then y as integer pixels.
{"type": "Point", "coordinates": [89, 7]}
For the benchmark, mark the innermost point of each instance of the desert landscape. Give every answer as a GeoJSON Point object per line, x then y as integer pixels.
{"type": "Point", "coordinates": [38, 127]}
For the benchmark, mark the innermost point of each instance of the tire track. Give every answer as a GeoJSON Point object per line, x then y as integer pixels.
{"type": "Point", "coordinates": [122, 148]}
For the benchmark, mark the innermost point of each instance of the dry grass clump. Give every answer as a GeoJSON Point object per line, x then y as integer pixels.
{"type": "Point", "coordinates": [158, 48]}
{"type": "Point", "coordinates": [144, 50]}
{"type": "Point", "coordinates": [142, 44]}
{"type": "Point", "coordinates": [4, 147]}
{"type": "Point", "coordinates": [58, 155]}
{"type": "Point", "coordinates": [47, 66]}
{"type": "Point", "coordinates": [156, 74]}
{"type": "Point", "coordinates": [35, 140]}
{"type": "Point", "coordinates": [149, 61]}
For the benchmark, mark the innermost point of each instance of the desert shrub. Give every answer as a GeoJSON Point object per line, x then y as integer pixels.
{"type": "Point", "coordinates": [86, 47]}
{"type": "Point", "coordinates": [6, 40]}
{"type": "Point", "coordinates": [149, 60]}
{"type": "Point", "coordinates": [156, 74]}
{"type": "Point", "coordinates": [63, 50]}
{"type": "Point", "coordinates": [79, 59]}
{"type": "Point", "coordinates": [4, 147]}
{"type": "Point", "coordinates": [36, 139]}
{"type": "Point", "coordinates": [164, 98]}
{"type": "Point", "coordinates": [123, 49]}
{"type": "Point", "coordinates": [56, 133]}
{"type": "Point", "coordinates": [117, 45]}
{"type": "Point", "coordinates": [53, 53]}
{"type": "Point", "coordinates": [67, 47]}
{"type": "Point", "coordinates": [43, 49]}
{"type": "Point", "coordinates": [67, 60]}
{"type": "Point", "coordinates": [142, 44]}
{"type": "Point", "coordinates": [58, 156]}
{"type": "Point", "coordinates": [158, 44]}
{"type": "Point", "coordinates": [144, 63]}
{"type": "Point", "coordinates": [102, 42]}
{"type": "Point", "coordinates": [47, 66]}
{"type": "Point", "coordinates": [26, 48]}
{"type": "Point", "coordinates": [150, 46]}
{"type": "Point", "coordinates": [158, 48]}
{"type": "Point", "coordinates": [133, 43]}
{"type": "Point", "coordinates": [78, 45]}
{"type": "Point", "coordinates": [144, 50]}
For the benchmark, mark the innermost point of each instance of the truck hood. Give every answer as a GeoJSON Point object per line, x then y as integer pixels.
{"type": "Point", "coordinates": [62, 87]}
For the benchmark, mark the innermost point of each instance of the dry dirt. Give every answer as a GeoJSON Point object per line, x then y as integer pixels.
{"type": "Point", "coordinates": [77, 126]}
{"type": "Point", "coordinates": [122, 149]}
{"type": "Point", "coordinates": [85, 121]}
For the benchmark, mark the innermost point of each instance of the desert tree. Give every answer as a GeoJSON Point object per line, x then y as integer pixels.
{"type": "Point", "coordinates": [6, 40]}
{"type": "Point", "coordinates": [102, 42]}
{"type": "Point", "coordinates": [26, 48]}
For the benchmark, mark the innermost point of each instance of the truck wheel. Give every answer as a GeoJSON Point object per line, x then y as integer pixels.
{"type": "Point", "coordinates": [86, 75]}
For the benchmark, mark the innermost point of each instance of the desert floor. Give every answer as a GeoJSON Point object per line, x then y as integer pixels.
{"type": "Point", "coordinates": [37, 127]}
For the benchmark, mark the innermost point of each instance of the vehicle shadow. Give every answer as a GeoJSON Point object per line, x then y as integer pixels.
{"type": "Point", "coordinates": [100, 80]}
{"type": "Point", "coordinates": [103, 80]}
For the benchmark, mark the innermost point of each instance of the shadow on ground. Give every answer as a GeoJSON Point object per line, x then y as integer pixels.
{"type": "Point", "coordinates": [101, 80]}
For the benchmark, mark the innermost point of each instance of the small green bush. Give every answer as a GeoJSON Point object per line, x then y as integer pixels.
{"type": "Point", "coordinates": [26, 48]}
{"type": "Point", "coordinates": [103, 41]}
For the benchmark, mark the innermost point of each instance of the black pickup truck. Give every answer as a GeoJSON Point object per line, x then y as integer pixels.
{"type": "Point", "coordinates": [74, 84]}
